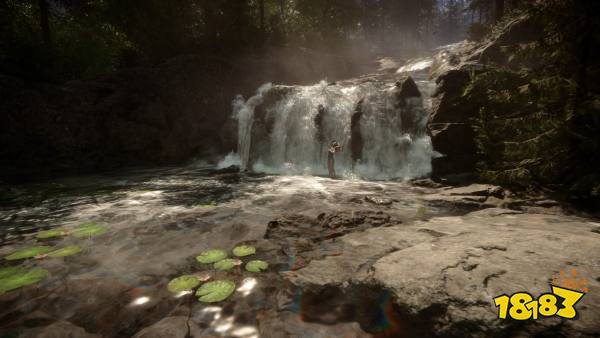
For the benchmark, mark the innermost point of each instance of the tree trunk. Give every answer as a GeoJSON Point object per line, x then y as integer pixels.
{"type": "Point", "coordinates": [261, 6]}
{"type": "Point", "coordinates": [45, 22]}
{"type": "Point", "coordinates": [499, 12]}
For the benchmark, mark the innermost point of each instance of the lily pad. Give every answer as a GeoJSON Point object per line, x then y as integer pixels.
{"type": "Point", "coordinates": [227, 264]}
{"type": "Point", "coordinates": [21, 279]}
{"type": "Point", "coordinates": [66, 251]}
{"type": "Point", "coordinates": [183, 283]}
{"type": "Point", "coordinates": [208, 204]}
{"type": "Point", "coordinates": [244, 250]}
{"type": "Point", "coordinates": [51, 233]}
{"type": "Point", "coordinates": [9, 271]}
{"type": "Point", "coordinates": [28, 252]}
{"type": "Point", "coordinates": [211, 256]}
{"type": "Point", "coordinates": [215, 291]}
{"type": "Point", "coordinates": [421, 211]}
{"type": "Point", "coordinates": [257, 266]}
{"type": "Point", "coordinates": [89, 230]}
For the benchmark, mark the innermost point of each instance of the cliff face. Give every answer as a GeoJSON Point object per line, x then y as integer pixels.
{"type": "Point", "coordinates": [450, 123]}
{"type": "Point", "coordinates": [162, 114]}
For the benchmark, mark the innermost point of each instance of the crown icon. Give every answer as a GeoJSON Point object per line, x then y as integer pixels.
{"type": "Point", "coordinates": [570, 281]}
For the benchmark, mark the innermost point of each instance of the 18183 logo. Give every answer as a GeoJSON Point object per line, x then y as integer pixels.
{"type": "Point", "coordinates": [560, 302]}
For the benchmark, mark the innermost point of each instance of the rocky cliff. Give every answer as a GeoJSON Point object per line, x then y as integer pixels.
{"type": "Point", "coordinates": [450, 123]}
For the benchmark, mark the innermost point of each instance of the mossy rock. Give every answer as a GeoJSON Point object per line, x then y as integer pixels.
{"type": "Point", "coordinates": [215, 291]}
{"type": "Point", "coordinates": [244, 250]}
{"type": "Point", "coordinates": [183, 283]}
{"type": "Point", "coordinates": [257, 266]}
{"type": "Point", "coordinates": [28, 253]}
{"type": "Point", "coordinates": [211, 256]}
{"type": "Point", "coordinates": [59, 232]}
{"type": "Point", "coordinates": [227, 264]}
{"type": "Point", "coordinates": [22, 278]}
{"type": "Point", "coordinates": [90, 229]}
{"type": "Point", "coordinates": [66, 251]}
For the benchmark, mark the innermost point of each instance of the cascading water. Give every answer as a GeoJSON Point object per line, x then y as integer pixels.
{"type": "Point", "coordinates": [284, 137]}
{"type": "Point", "coordinates": [244, 113]}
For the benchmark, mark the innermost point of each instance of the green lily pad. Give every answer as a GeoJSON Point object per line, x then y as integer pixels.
{"type": "Point", "coordinates": [9, 271]}
{"type": "Point", "coordinates": [244, 250]}
{"type": "Point", "coordinates": [50, 233]}
{"type": "Point", "coordinates": [183, 283]}
{"type": "Point", "coordinates": [227, 264]}
{"type": "Point", "coordinates": [211, 256]}
{"type": "Point", "coordinates": [257, 266]}
{"type": "Point", "coordinates": [28, 252]}
{"type": "Point", "coordinates": [89, 230]}
{"type": "Point", "coordinates": [209, 204]}
{"type": "Point", "coordinates": [66, 251]}
{"type": "Point", "coordinates": [215, 291]}
{"type": "Point", "coordinates": [21, 279]}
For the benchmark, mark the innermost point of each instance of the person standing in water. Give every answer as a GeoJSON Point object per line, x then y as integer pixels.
{"type": "Point", "coordinates": [334, 147]}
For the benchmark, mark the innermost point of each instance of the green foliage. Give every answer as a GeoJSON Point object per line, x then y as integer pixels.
{"type": "Point", "coordinates": [15, 279]}
{"type": "Point", "coordinates": [211, 256]}
{"type": "Point", "coordinates": [183, 283]}
{"type": "Point", "coordinates": [66, 251]}
{"type": "Point", "coordinates": [90, 229]}
{"type": "Point", "coordinates": [244, 250]}
{"type": "Point", "coordinates": [257, 266]}
{"type": "Point", "coordinates": [28, 253]}
{"type": "Point", "coordinates": [227, 264]}
{"type": "Point", "coordinates": [50, 233]}
{"type": "Point", "coordinates": [539, 116]}
{"type": "Point", "coordinates": [215, 291]}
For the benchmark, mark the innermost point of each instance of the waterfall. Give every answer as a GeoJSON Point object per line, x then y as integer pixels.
{"type": "Point", "coordinates": [393, 140]}
{"type": "Point", "coordinates": [243, 112]}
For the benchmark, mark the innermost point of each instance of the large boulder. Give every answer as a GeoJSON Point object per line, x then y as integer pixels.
{"type": "Point", "coordinates": [450, 126]}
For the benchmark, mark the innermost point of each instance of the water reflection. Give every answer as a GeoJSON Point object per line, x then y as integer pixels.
{"type": "Point", "coordinates": [247, 285]}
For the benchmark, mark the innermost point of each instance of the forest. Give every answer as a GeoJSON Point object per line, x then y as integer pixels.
{"type": "Point", "coordinates": [537, 123]}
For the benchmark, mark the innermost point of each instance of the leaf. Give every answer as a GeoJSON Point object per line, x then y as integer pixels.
{"type": "Point", "coordinates": [257, 266]}
{"type": "Point", "coordinates": [28, 253]}
{"type": "Point", "coordinates": [227, 264]}
{"type": "Point", "coordinates": [421, 211]}
{"type": "Point", "coordinates": [183, 283]}
{"type": "Point", "coordinates": [66, 251]}
{"type": "Point", "coordinates": [51, 233]}
{"type": "Point", "coordinates": [21, 279]}
{"type": "Point", "coordinates": [89, 230]}
{"type": "Point", "coordinates": [211, 256]}
{"type": "Point", "coordinates": [209, 204]}
{"type": "Point", "coordinates": [244, 250]}
{"type": "Point", "coordinates": [215, 291]}
{"type": "Point", "coordinates": [9, 271]}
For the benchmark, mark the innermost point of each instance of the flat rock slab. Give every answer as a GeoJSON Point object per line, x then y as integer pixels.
{"type": "Point", "coordinates": [449, 269]}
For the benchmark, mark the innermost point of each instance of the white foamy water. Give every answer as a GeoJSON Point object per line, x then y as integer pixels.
{"type": "Point", "coordinates": [390, 150]}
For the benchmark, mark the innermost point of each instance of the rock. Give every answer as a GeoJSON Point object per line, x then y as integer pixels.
{"type": "Point", "coordinates": [176, 327]}
{"type": "Point", "coordinates": [406, 88]}
{"type": "Point", "coordinates": [59, 329]}
{"type": "Point", "coordinates": [445, 271]}
{"type": "Point", "coordinates": [378, 200]}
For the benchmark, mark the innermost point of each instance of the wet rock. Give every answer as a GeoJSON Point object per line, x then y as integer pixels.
{"type": "Point", "coordinates": [59, 329]}
{"type": "Point", "coordinates": [176, 327]}
{"type": "Point", "coordinates": [378, 200]}
{"type": "Point", "coordinates": [406, 88]}
{"type": "Point", "coordinates": [287, 324]}
{"type": "Point", "coordinates": [447, 270]}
